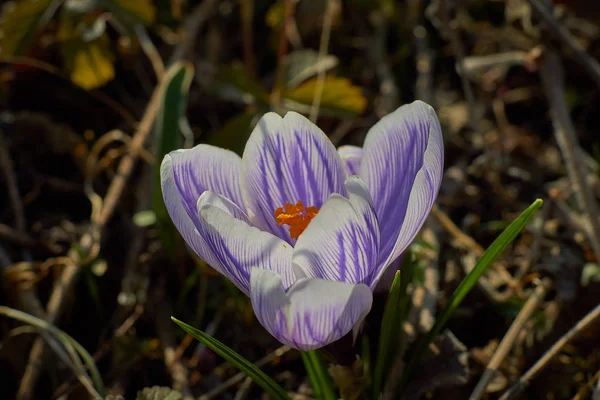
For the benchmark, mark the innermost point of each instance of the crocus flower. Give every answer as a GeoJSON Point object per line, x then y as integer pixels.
{"type": "Point", "coordinates": [304, 230]}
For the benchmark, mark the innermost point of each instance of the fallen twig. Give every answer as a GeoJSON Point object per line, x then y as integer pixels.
{"type": "Point", "coordinates": [289, 10]}
{"type": "Point", "coordinates": [468, 243]}
{"type": "Point", "coordinates": [177, 369]}
{"type": "Point", "coordinates": [523, 382]}
{"type": "Point", "coordinates": [508, 340]}
{"type": "Point", "coordinates": [544, 9]}
{"type": "Point", "coordinates": [192, 26]}
{"type": "Point", "coordinates": [323, 46]}
{"type": "Point", "coordinates": [459, 53]}
{"type": "Point", "coordinates": [585, 390]}
{"type": "Point", "coordinates": [88, 244]}
{"type": "Point", "coordinates": [23, 239]}
{"type": "Point", "coordinates": [564, 132]}
{"type": "Point", "coordinates": [596, 392]}
{"type": "Point", "coordinates": [244, 388]}
{"type": "Point", "coordinates": [237, 378]}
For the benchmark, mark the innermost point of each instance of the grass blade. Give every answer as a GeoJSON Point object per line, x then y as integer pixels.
{"type": "Point", "coordinates": [395, 312]}
{"type": "Point", "coordinates": [167, 138]}
{"type": "Point", "coordinates": [264, 381]}
{"type": "Point", "coordinates": [312, 374]}
{"type": "Point", "coordinates": [70, 345]}
{"type": "Point", "coordinates": [486, 260]}
{"type": "Point", "coordinates": [318, 375]}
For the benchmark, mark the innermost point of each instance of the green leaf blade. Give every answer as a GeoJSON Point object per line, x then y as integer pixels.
{"type": "Point", "coordinates": [318, 375]}
{"type": "Point", "coordinates": [167, 138]}
{"type": "Point", "coordinates": [486, 260]}
{"type": "Point", "coordinates": [395, 312]}
{"type": "Point", "coordinates": [467, 284]}
{"type": "Point", "coordinates": [264, 381]}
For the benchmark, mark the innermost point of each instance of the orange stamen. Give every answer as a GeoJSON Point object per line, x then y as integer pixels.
{"type": "Point", "coordinates": [295, 216]}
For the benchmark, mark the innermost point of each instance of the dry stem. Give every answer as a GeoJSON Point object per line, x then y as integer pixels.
{"type": "Point", "coordinates": [564, 132]}
{"type": "Point", "coordinates": [523, 382]}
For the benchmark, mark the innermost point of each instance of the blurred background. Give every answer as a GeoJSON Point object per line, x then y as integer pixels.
{"type": "Point", "coordinates": [93, 93]}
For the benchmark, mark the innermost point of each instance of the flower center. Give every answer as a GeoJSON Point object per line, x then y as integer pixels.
{"type": "Point", "coordinates": [295, 216]}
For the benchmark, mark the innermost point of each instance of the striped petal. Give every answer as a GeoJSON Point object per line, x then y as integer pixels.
{"type": "Point", "coordinates": [342, 242]}
{"type": "Point", "coordinates": [184, 219]}
{"type": "Point", "coordinates": [351, 157]}
{"type": "Point", "coordinates": [312, 313]}
{"type": "Point", "coordinates": [287, 160]}
{"type": "Point", "coordinates": [186, 174]}
{"type": "Point", "coordinates": [234, 247]}
{"type": "Point", "coordinates": [402, 167]}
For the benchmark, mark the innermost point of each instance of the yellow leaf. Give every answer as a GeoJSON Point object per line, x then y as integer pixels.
{"type": "Point", "coordinates": [275, 15]}
{"type": "Point", "coordinates": [21, 21]}
{"type": "Point", "coordinates": [339, 96]}
{"type": "Point", "coordinates": [90, 63]}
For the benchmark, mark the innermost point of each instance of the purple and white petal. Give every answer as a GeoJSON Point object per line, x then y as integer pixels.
{"type": "Point", "coordinates": [224, 204]}
{"type": "Point", "coordinates": [351, 157]}
{"type": "Point", "coordinates": [236, 247]}
{"type": "Point", "coordinates": [313, 312]}
{"type": "Point", "coordinates": [178, 212]}
{"type": "Point", "coordinates": [287, 160]}
{"type": "Point", "coordinates": [203, 168]}
{"type": "Point", "coordinates": [341, 243]}
{"type": "Point", "coordinates": [402, 166]}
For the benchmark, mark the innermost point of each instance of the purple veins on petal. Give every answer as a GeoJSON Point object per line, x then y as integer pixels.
{"type": "Point", "coordinates": [313, 312]}
{"type": "Point", "coordinates": [351, 157]}
{"type": "Point", "coordinates": [402, 166]}
{"type": "Point", "coordinates": [341, 243]}
{"type": "Point", "coordinates": [236, 247]}
{"type": "Point", "coordinates": [287, 160]}
{"type": "Point", "coordinates": [203, 168]}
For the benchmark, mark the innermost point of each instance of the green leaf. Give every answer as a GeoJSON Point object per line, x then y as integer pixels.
{"type": "Point", "coordinates": [301, 65]}
{"type": "Point", "coordinates": [318, 375]}
{"type": "Point", "coordinates": [71, 345]}
{"type": "Point", "coordinates": [168, 137]}
{"type": "Point", "coordinates": [234, 84]}
{"type": "Point", "coordinates": [394, 314]}
{"type": "Point", "coordinates": [264, 381]}
{"type": "Point", "coordinates": [339, 97]}
{"type": "Point", "coordinates": [158, 393]}
{"type": "Point", "coordinates": [130, 12]}
{"type": "Point", "coordinates": [144, 219]}
{"type": "Point", "coordinates": [486, 260]}
{"type": "Point", "coordinates": [312, 374]}
{"type": "Point", "coordinates": [21, 21]}
{"type": "Point", "coordinates": [234, 133]}
{"type": "Point", "coordinates": [88, 60]}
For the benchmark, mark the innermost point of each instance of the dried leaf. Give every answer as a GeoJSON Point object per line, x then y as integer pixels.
{"type": "Point", "coordinates": [21, 21]}
{"type": "Point", "coordinates": [89, 62]}
{"type": "Point", "coordinates": [339, 99]}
